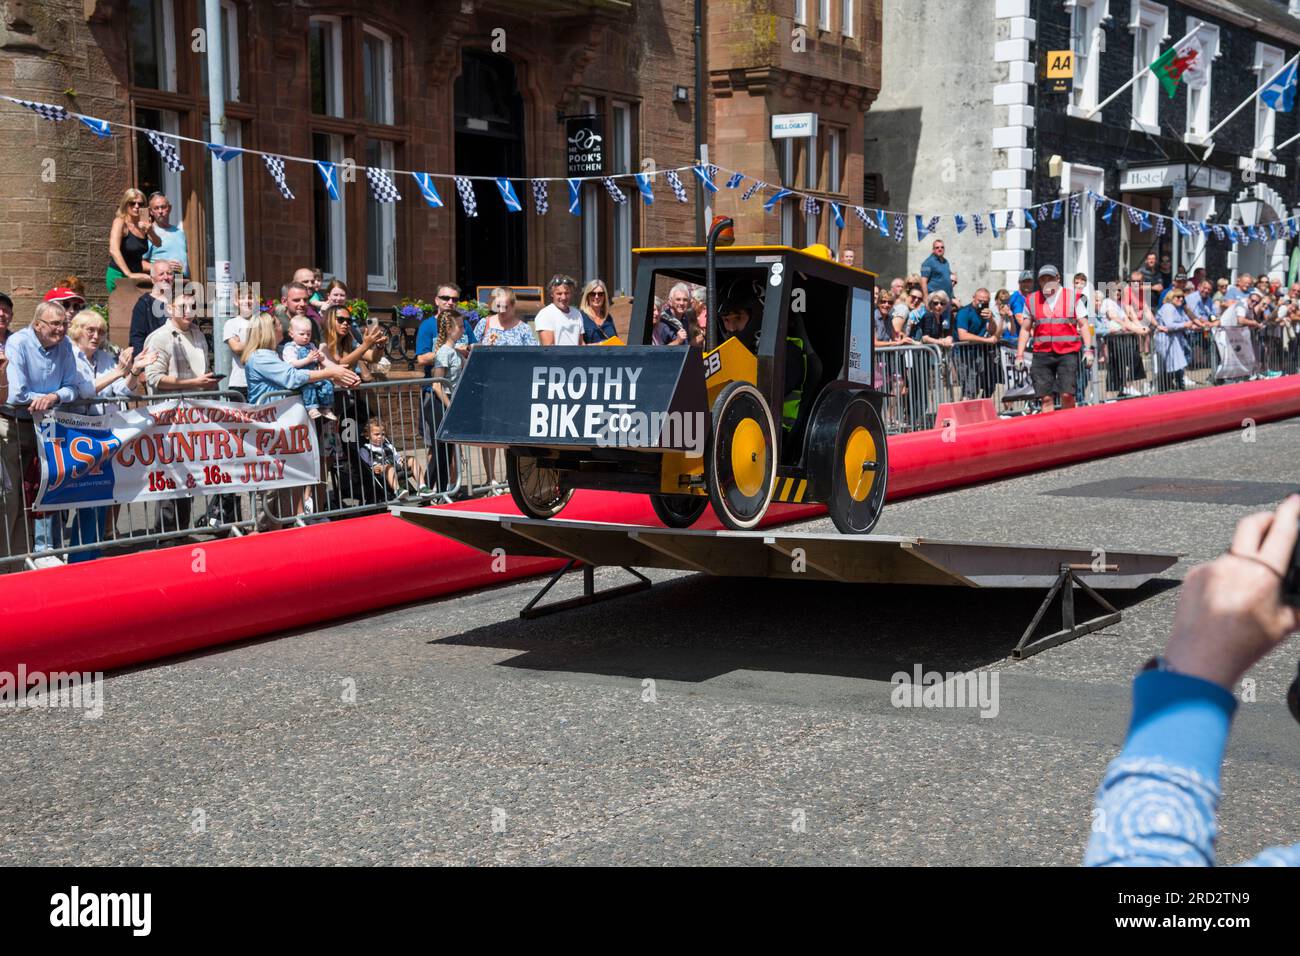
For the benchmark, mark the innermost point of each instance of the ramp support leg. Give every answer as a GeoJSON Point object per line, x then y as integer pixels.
{"type": "Point", "coordinates": [589, 593]}
{"type": "Point", "coordinates": [1070, 629]}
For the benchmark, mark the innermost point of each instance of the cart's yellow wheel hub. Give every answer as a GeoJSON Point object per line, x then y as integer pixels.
{"type": "Point", "coordinates": [860, 450]}
{"type": "Point", "coordinates": [748, 457]}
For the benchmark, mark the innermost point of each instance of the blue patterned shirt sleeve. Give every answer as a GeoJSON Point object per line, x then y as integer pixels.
{"type": "Point", "coordinates": [1158, 800]}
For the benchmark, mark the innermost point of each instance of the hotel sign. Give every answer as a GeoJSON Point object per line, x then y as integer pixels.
{"type": "Point", "coordinates": [1156, 178]}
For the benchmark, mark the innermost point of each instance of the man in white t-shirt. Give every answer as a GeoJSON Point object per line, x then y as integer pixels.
{"type": "Point", "coordinates": [560, 323]}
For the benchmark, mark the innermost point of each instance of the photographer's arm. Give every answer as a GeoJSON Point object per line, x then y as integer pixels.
{"type": "Point", "coordinates": [1157, 802]}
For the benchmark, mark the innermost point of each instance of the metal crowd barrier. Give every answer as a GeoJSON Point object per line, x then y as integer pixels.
{"type": "Point", "coordinates": [85, 533]}
{"type": "Point", "coordinates": [910, 374]}
{"type": "Point", "coordinates": [422, 470]}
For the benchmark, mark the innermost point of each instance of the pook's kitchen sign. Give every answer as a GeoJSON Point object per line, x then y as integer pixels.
{"type": "Point", "coordinates": [586, 136]}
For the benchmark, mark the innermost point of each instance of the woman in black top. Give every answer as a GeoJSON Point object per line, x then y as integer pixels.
{"type": "Point", "coordinates": [129, 240]}
{"type": "Point", "coordinates": [597, 324]}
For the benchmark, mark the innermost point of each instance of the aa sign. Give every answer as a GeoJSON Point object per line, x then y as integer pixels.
{"type": "Point", "coordinates": [1060, 64]}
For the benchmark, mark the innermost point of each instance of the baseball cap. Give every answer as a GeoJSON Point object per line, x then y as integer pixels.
{"type": "Point", "coordinates": [65, 297]}
{"type": "Point", "coordinates": [1049, 270]}
{"type": "Point", "coordinates": [1026, 276]}
{"type": "Point", "coordinates": [8, 302]}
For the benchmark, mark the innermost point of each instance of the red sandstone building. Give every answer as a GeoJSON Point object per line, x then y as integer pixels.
{"type": "Point", "coordinates": [477, 88]}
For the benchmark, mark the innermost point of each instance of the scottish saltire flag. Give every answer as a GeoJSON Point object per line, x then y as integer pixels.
{"type": "Point", "coordinates": [1144, 222]}
{"type": "Point", "coordinates": [1056, 209]}
{"type": "Point", "coordinates": [703, 175]}
{"type": "Point", "coordinates": [1182, 227]}
{"type": "Point", "coordinates": [646, 185]}
{"type": "Point", "coordinates": [882, 223]}
{"type": "Point", "coordinates": [1011, 219]}
{"type": "Point", "coordinates": [735, 180]}
{"type": "Point", "coordinates": [961, 224]}
{"type": "Point", "coordinates": [1029, 219]}
{"type": "Point", "coordinates": [428, 190]}
{"type": "Point", "coordinates": [329, 173]}
{"type": "Point", "coordinates": [920, 227]}
{"type": "Point", "coordinates": [1280, 94]}
{"type": "Point", "coordinates": [508, 196]}
{"type": "Point", "coordinates": [97, 126]}
{"type": "Point", "coordinates": [1205, 228]}
{"type": "Point", "coordinates": [224, 153]}
{"type": "Point", "coordinates": [837, 215]}
{"type": "Point", "coordinates": [771, 201]}
{"type": "Point", "coordinates": [575, 197]}
{"type": "Point", "coordinates": [993, 223]}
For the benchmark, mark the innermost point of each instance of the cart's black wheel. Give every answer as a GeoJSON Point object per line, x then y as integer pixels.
{"type": "Point", "coordinates": [538, 491]}
{"type": "Point", "coordinates": [678, 511]}
{"type": "Point", "coordinates": [859, 468]}
{"type": "Point", "coordinates": [740, 460]}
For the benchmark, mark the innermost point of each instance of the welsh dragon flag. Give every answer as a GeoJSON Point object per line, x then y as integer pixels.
{"type": "Point", "coordinates": [1185, 62]}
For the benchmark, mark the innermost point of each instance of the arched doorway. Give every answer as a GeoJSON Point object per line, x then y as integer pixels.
{"type": "Point", "coordinates": [492, 247]}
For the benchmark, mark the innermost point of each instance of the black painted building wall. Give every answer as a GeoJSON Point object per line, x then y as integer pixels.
{"type": "Point", "coordinates": [1112, 142]}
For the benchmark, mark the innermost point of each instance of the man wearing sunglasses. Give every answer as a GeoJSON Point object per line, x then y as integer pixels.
{"type": "Point", "coordinates": [42, 372]}
{"type": "Point", "coordinates": [445, 300]}
{"type": "Point", "coordinates": [174, 245]}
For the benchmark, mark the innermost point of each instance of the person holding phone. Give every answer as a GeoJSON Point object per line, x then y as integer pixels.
{"type": "Point", "coordinates": [1158, 800]}
{"type": "Point", "coordinates": [130, 239]}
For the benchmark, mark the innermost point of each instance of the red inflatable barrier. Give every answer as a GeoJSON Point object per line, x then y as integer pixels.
{"type": "Point", "coordinates": [114, 612]}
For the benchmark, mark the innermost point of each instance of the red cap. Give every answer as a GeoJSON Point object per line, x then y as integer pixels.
{"type": "Point", "coordinates": [62, 295]}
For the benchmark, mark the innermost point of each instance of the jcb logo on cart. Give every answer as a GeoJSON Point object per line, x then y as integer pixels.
{"type": "Point", "coordinates": [712, 364]}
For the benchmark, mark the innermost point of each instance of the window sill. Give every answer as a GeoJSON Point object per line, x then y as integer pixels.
{"type": "Point", "coordinates": [1145, 127]}
{"type": "Point", "coordinates": [1196, 139]}
{"type": "Point", "coordinates": [1081, 112]}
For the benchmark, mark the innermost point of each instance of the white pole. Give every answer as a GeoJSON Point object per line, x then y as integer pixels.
{"type": "Point", "coordinates": [220, 208]}
{"type": "Point", "coordinates": [1139, 74]}
{"type": "Point", "coordinates": [1263, 86]}
{"type": "Point", "coordinates": [1281, 146]}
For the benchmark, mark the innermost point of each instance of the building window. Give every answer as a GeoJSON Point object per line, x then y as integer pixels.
{"type": "Point", "coordinates": [1149, 26]}
{"type": "Point", "coordinates": [1087, 40]}
{"type": "Point", "coordinates": [152, 175]}
{"type": "Point", "coordinates": [846, 17]}
{"type": "Point", "coordinates": [824, 15]}
{"type": "Point", "coordinates": [1192, 250]}
{"type": "Point", "coordinates": [325, 63]}
{"type": "Point", "coordinates": [1268, 60]}
{"type": "Point", "coordinates": [230, 48]}
{"type": "Point", "coordinates": [621, 283]}
{"type": "Point", "coordinates": [377, 69]}
{"type": "Point", "coordinates": [328, 219]}
{"type": "Point", "coordinates": [1198, 100]}
{"type": "Point", "coordinates": [1080, 229]}
{"type": "Point", "coordinates": [152, 25]}
{"type": "Point", "coordinates": [801, 11]}
{"type": "Point", "coordinates": [233, 171]}
{"type": "Point", "coordinates": [381, 225]}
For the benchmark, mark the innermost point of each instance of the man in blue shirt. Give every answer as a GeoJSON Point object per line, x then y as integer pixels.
{"type": "Point", "coordinates": [1011, 330]}
{"type": "Point", "coordinates": [936, 272]}
{"type": "Point", "coordinates": [974, 351]}
{"type": "Point", "coordinates": [1200, 305]}
{"type": "Point", "coordinates": [1241, 290]}
{"type": "Point", "coordinates": [42, 372]}
{"type": "Point", "coordinates": [446, 297]}
{"type": "Point", "coordinates": [174, 245]}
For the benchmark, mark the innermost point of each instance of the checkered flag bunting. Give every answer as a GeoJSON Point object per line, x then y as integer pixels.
{"type": "Point", "coordinates": [44, 110]}
{"type": "Point", "coordinates": [811, 207]}
{"type": "Point", "coordinates": [1160, 225]}
{"type": "Point", "coordinates": [615, 193]}
{"type": "Point", "coordinates": [861, 214]}
{"type": "Point", "coordinates": [1042, 213]}
{"type": "Point", "coordinates": [900, 227]}
{"type": "Point", "coordinates": [1134, 215]}
{"type": "Point", "coordinates": [754, 187]}
{"type": "Point", "coordinates": [275, 166]}
{"type": "Point", "coordinates": [541, 202]}
{"type": "Point", "coordinates": [979, 224]}
{"type": "Point", "coordinates": [933, 224]}
{"type": "Point", "coordinates": [1075, 206]}
{"type": "Point", "coordinates": [675, 182]}
{"type": "Point", "coordinates": [382, 188]}
{"type": "Point", "coordinates": [467, 199]}
{"type": "Point", "coordinates": [167, 150]}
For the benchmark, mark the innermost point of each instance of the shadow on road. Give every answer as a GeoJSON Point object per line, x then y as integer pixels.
{"type": "Point", "coordinates": [696, 628]}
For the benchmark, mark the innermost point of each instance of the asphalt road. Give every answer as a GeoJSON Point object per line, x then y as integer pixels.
{"type": "Point", "coordinates": [704, 721]}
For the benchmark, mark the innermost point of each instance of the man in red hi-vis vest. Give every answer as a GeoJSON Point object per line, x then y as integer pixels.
{"type": "Point", "coordinates": [1058, 320]}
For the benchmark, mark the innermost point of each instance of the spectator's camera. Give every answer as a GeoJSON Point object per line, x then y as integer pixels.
{"type": "Point", "coordinates": [1291, 584]}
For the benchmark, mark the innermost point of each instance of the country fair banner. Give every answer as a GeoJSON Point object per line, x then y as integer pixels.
{"type": "Point", "coordinates": [173, 449]}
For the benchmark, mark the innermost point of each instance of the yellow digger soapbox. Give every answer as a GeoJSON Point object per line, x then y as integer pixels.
{"type": "Point", "coordinates": [779, 405]}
